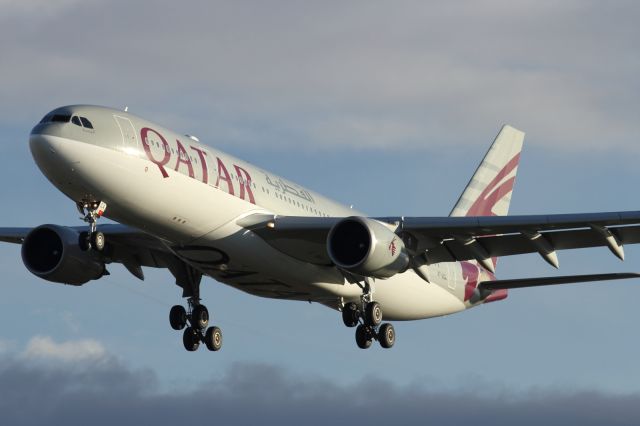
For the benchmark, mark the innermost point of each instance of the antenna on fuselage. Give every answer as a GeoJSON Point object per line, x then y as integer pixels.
{"type": "Point", "coordinates": [126, 109]}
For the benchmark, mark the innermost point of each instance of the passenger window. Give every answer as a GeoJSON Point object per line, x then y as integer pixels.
{"type": "Point", "coordinates": [75, 120]}
{"type": "Point", "coordinates": [86, 123]}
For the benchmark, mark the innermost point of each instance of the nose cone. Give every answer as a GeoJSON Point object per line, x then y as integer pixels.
{"type": "Point", "coordinates": [39, 128]}
{"type": "Point", "coordinates": [43, 150]}
{"type": "Point", "coordinates": [43, 135]}
{"type": "Point", "coordinates": [40, 144]}
{"type": "Point", "coordinates": [58, 160]}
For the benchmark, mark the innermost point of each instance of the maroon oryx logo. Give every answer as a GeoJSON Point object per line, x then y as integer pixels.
{"type": "Point", "coordinates": [495, 190]}
{"type": "Point", "coordinates": [392, 247]}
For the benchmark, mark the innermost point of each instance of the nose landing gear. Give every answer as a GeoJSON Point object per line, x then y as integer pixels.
{"type": "Point", "coordinates": [91, 212]}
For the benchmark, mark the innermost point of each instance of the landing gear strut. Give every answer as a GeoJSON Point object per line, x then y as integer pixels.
{"type": "Point", "coordinates": [195, 320]}
{"type": "Point", "coordinates": [368, 318]}
{"type": "Point", "coordinates": [92, 211]}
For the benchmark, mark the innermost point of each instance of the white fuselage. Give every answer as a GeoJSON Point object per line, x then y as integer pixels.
{"type": "Point", "coordinates": [191, 196]}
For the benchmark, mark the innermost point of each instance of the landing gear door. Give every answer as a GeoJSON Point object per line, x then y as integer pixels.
{"type": "Point", "coordinates": [129, 138]}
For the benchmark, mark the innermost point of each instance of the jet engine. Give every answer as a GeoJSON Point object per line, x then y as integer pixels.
{"type": "Point", "coordinates": [366, 247]}
{"type": "Point", "coordinates": [53, 253]}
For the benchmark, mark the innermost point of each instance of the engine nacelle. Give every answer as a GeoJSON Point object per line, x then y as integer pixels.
{"type": "Point", "coordinates": [53, 253]}
{"type": "Point", "coordinates": [366, 247]}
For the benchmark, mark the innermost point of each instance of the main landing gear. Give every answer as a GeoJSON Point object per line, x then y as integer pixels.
{"type": "Point", "coordinates": [92, 211]}
{"type": "Point", "coordinates": [198, 320]}
{"type": "Point", "coordinates": [367, 319]}
{"type": "Point", "coordinates": [194, 320]}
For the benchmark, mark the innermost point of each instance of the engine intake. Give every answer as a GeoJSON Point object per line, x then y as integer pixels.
{"type": "Point", "coordinates": [366, 247]}
{"type": "Point", "coordinates": [53, 253]}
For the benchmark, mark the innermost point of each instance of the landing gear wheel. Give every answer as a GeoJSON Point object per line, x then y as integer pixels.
{"type": "Point", "coordinates": [213, 338]}
{"type": "Point", "coordinates": [84, 241]}
{"type": "Point", "coordinates": [350, 314]}
{"type": "Point", "coordinates": [373, 314]}
{"type": "Point", "coordinates": [98, 241]}
{"type": "Point", "coordinates": [363, 337]}
{"type": "Point", "coordinates": [191, 339]}
{"type": "Point", "coordinates": [178, 317]}
{"type": "Point", "coordinates": [200, 317]}
{"type": "Point", "coordinates": [386, 335]}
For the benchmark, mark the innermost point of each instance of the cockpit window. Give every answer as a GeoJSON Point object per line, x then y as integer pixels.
{"type": "Point", "coordinates": [86, 123]}
{"type": "Point", "coordinates": [62, 118]}
{"type": "Point", "coordinates": [57, 118]}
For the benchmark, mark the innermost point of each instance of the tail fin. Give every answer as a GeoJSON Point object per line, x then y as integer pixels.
{"type": "Point", "coordinates": [488, 193]}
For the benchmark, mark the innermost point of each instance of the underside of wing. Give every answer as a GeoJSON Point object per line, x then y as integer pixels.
{"type": "Point", "coordinates": [128, 246]}
{"type": "Point", "coordinates": [303, 238]}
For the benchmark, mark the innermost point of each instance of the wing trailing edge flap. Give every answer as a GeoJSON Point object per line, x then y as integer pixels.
{"type": "Point", "coordinates": [543, 281]}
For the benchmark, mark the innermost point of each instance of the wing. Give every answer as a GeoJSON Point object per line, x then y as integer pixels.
{"type": "Point", "coordinates": [475, 238]}
{"type": "Point", "coordinates": [130, 246]}
{"type": "Point", "coordinates": [449, 239]}
{"type": "Point", "coordinates": [14, 235]}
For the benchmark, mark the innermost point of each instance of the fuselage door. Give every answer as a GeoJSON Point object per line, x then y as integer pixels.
{"type": "Point", "coordinates": [129, 138]}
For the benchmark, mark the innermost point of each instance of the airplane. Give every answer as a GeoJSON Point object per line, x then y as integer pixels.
{"type": "Point", "coordinates": [199, 212]}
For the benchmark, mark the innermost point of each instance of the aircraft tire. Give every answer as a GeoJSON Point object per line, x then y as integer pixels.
{"type": "Point", "coordinates": [213, 338]}
{"type": "Point", "coordinates": [178, 317]}
{"type": "Point", "coordinates": [84, 241]}
{"type": "Point", "coordinates": [190, 339]}
{"type": "Point", "coordinates": [373, 314]}
{"type": "Point", "coordinates": [363, 338]}
{"type": "Point", "coordinates": [200, 317]}
{"type": "Point", "coordinates": [350, 314]}
{"type": "Point", "coordinates": [386, 335]}
{"type": "Point", "coordinates": [98, 241]}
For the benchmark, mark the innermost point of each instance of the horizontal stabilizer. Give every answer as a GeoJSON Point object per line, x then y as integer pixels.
{"type": "Point", "coordinates": [567, 279]}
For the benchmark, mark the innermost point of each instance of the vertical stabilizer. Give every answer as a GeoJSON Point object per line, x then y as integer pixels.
{"type": "Point", "coordinates": [488, 193]}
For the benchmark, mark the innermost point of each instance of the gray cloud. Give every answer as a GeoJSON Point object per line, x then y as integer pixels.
{"type": "Point", "coordinates": [35, 10]}
{"type": "Point", "coordinates": [403, 74]}
{"type": "Point", "coordinates": [107, 392]}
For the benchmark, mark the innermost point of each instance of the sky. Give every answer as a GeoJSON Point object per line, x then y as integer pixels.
{"type": "Point", "coordinates": [388, 106]}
